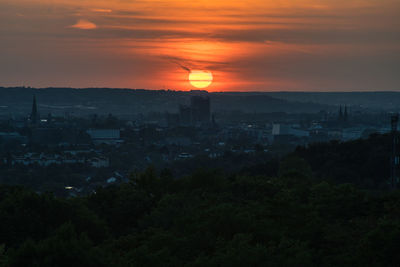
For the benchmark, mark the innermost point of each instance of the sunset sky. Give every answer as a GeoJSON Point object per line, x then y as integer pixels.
{"type": "Point", "coordinates": [253, 45]}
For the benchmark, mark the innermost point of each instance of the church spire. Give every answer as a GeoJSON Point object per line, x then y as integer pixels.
{"type": "Point", "coordinates": [34, 114]}
{"type": "Point", "coordinates": [340, 113]}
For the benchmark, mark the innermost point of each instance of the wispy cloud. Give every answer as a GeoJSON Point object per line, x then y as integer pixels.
{"type": "Point", "coordinates": [84, 24]}
{"type": "Point", "coordinates": [101, 10]}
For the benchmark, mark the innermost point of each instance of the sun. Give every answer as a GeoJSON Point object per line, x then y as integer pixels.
{"type": "Point", "coordinates": [200, 78]}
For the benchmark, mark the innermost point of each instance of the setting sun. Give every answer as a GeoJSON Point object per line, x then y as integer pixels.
{"type": "Point", "coordinates": [200, 79]}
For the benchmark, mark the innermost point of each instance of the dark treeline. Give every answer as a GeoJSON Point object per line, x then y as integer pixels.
{"type": "Point", "coordinates": [363, 162]}
{"type": "Point", "coordinates": [300, 213]}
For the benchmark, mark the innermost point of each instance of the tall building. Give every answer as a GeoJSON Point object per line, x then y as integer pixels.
{"type": "Point", "coordinates": [185, 115]}
{"type": "Point", "coordinates": [34, 117]}
{"type": "Point", "coordinates": [343, 115]}
{"type": "Point", "coordinates": [105, 136]}
{"type": "Point", "coordinates": [200, 107]}
{"type": "Point", "coordinates": [198, 113]}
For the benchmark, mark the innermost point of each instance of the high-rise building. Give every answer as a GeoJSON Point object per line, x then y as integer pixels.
{"type": "Point", "coordinates": [200, 107]}
{"type": "Point", "coordinates": [185, 115]}
{"type": "Point", "coordinates": [196, 114]}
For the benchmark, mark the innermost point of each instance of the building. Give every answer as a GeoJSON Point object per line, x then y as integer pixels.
{"type": "Point", "coordinates": [172, 120]}
{"type": "Point", "coordinates": [343, 116]}
{"type": "Point", "coordinates": [105, 136]}
{"type": "Point", "coordinates": [178, 141]}
{"type": "Point", "coordinates": [284, 134]}
{"type": "Point", "coordinates": [6, 137]}
{"type": "Point", "coordinates": [185, 115]}
{"type": "Point", "coordinates": [100, 162]}
{"type": "Point", "coordinates": [200, 108]}
{"type": "Point", "coordinates": [48, 136]}
{"type": "Point", "coordinates": [198, 113]}
{"type": "Point", "coordinates": [284, 129]}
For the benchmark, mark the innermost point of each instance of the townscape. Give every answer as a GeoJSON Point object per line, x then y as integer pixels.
{"type": "Point", "coordinates": [96, 150]}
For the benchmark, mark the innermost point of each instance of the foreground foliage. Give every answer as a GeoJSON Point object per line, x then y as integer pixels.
{"type": "Point", "coordinates": [293, 218]}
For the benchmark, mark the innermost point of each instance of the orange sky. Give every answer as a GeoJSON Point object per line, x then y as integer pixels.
{"type": "Point", "coordinates": [253, 45]}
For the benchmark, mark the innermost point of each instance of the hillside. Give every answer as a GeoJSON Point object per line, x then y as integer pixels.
{"type": "Point", "coordinates": [127, 101]}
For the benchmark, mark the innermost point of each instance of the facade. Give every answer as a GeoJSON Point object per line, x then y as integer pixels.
{"type": "Point", "coordinates": [185, 115]}
{"type": "Point", "coordinates": [45, 160]}
{"type": "Point", "coordinates": [200, 107]}
{"type": "Point", "coordinates": [100, 162]}
{"type": "Point", "coordinates": [104, 133]}
{"type": "Point", "coordinates": [284, 129]}
{"type": "Point", "coordinates": [12, 136]}
{"type": "Point", "coordinates": [178, 141]}
{"type": "Point", "coordinates": [105, 136]}
{"type": "Point", "coordinates": [197, 113]}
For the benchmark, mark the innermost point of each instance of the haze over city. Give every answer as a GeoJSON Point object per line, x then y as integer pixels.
{"type": "Point", "coordinates": [254, 45]}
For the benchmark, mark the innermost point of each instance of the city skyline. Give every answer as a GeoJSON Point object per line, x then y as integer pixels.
{"type": "Point", "coordinates": [302, 45]}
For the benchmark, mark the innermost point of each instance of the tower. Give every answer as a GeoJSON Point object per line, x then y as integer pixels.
{"type": "Point", "coordinates": [34, 117]}
{"type": "Point", "coordinates": [340, 113]}
{"type": "Point", "coordinates": [345, 115]}
{"type": "Point", "coordinates": [395, 154]}
{"type": "Point", "coordinates": [185, 115]}
{"type": "Point", "coordinates": [213, 120]}
{"type": "Point", "coordinates": [200, 107]}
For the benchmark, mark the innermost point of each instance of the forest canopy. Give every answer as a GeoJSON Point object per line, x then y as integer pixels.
{"type": "Point", "coordinates": [303, 214]}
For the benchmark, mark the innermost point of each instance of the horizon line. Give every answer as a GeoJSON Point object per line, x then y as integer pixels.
{"type": "Point", "coordinates": [195, 90]}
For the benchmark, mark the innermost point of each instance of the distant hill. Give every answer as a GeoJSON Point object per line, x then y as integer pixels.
{"type": "Point", "coordinates": [128, 101]}
{"type": "Point", "coordinates": [387, 101]}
